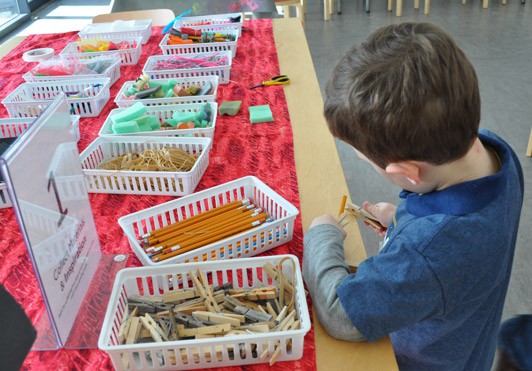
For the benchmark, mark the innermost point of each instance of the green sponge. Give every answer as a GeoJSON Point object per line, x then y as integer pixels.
{"type": "Point", "coordinates": [125, 127]}
{"type": "Point", "coordinates": [230, 108]}
{"type": "Point", "coordinates": [128, 114]}
{"type": "Point", "coordinates": [258, 114]}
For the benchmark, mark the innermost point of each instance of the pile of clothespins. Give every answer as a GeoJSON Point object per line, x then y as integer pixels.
{"type": "Point", "coordinates": [204, 311]}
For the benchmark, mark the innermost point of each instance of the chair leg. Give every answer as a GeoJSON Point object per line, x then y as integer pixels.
{"type": "Point", "coordinates": [367, 5]}
{"type": "Point", "coordinates": [339, 6]}
{"type": "Point", "coordinates": [399, 10]}
{"type": "Point", "coordinates": [529, 148]}
{"type": "Point", "coordinates": [326, 6]}
{"type": "Point", "coordinates": [427, 7]}
{"type": "Point", "coordinates": [416, 4]}
{"type": "Point", "coordinates": [485, 4]}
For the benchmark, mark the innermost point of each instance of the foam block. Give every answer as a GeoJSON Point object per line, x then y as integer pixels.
{"type": "Point", "coordinates": [125, 127]}
{"type": "Point", "coordinates": [258, 114]}
{"type": "Point", "coordinates": [129, 114]}
{"type": "Point", "coordinates": [230, 108]}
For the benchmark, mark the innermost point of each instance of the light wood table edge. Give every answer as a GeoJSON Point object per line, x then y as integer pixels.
{"type": "Point", "coordinates": [321, 186]}
{"type": "Point", "coordinates": [10, 44]}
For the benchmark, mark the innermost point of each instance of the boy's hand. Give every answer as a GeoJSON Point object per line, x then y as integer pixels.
{"type": "Point", "coordinates": [383, 211]}
{"type": "Point", "coordinates": [327, 219]}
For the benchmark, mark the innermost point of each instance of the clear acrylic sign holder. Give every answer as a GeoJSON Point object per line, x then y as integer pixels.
{"type": "Point", "coordinates": [44, 180]}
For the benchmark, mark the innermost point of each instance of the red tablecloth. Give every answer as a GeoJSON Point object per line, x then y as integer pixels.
{"type": "Point", "coordinates": [239, 149]}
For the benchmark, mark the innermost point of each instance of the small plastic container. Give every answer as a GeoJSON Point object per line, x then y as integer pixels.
{"type": "Point", "coordinates": [158, 183]}
{"type": "Point", "coordinates": [152, 282]}
{"type": "Point", "coordinates": [166, 112]}
{"type": "Point", "coordinates": [269, 235]}
{"type": "Point", "coordinates": [29, 99]}
{"type": "Point", "coordinates": [222, 71]}
{"type": "Point", "coordinates": [112, 73]}
{"type": "Point", "coordinates": [128, 56]}
{"type": "Point", "coordinates": [207, 47]}
{"type": "Point", "coordinates": [213, 22]}
{"type": "Point", "coordinates": [118, 29]}
{"type": "Point", "coordinates": [12, 128]}
{"type": "Point", "coordinates": [184, 82]}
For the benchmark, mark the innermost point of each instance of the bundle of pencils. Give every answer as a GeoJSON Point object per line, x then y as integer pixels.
{"type": "Point", "coordinates": [203, 229]}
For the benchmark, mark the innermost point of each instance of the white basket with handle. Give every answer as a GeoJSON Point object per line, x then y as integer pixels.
{"type": "Point", "coordinates": [112, 72]}
{"type": "Point", "coordinates": [213, 22]}
{"type": "Point", "coordinates": [118, 29]}
{"type": "Point", "coordinates": [275, 232]}
{"type": "Point", "coordinates": [129, 56]}
{"type": "Point", "coordinates": [190, 65]}
{"type": "Point", "coordinates": [122, 100]}
{"type": "Point", "coordinates": [30, 99]}
{"type": "Point", "coordinates": [159, 183]}
{"type": "Point", "coordinates": [12, 128]}
{"type": "Point", "coordinates": [163, 113]}
{"type": "Point", "coordinates": [187, 354]}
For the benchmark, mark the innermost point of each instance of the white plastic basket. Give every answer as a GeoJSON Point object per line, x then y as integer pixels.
{"type": "Point", "coordinates": [223, 72]}
{"type": "Point", "coordinates": [163, 113]}
{"type": "Point", "coordinates": [112, 73]}
{"type": "Point", "coordinates": [209, 352]}
{"type": "Point", "coordinates": [29, 99]}
{"type": "Point", "coordinates": [127, 56]}
{"type": "Point", "coordinates": [213, 22]}
{"type": "Point", "coordinates": [12, 128]}
{"type": "Point", "coordinates": [262, 238]}
{"type": "Point", "coordinates": [184, 82]}
{"type": "Point", "coordinates": [119, 29]}
{"type": "Point", "coordinates": [201, 47]}
{"type": "Point", "coordinates": [159, 183]}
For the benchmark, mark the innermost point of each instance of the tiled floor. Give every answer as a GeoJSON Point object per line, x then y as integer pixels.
{"type": "Point", "coordinates": [498, 40]}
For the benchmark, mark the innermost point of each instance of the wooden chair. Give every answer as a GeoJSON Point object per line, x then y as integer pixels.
{"type": "Point", "coordinates": [399, 6]}
{"type": "Point", "coordinates": [300, 5]}
{"type": "Point", "coordinates": [159, 17]}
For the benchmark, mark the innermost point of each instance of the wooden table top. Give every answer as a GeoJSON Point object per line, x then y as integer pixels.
{"type": "Point", "coordinates": [321, 184]}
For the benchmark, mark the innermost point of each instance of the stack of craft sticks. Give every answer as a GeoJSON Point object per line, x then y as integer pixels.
{"type": "Point", "coordinates": [204, 311]}
{"type": "Point", "coordinates": [348, 208]}
{"type": "Point", "coordinates": [203, 229]}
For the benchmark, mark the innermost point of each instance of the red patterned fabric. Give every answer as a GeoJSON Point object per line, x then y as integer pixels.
{"type": "Point", "coordinates": [239, 149]}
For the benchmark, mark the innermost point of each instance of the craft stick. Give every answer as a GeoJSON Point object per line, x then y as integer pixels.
{"type": "Point", "coordinates": [225, 234]}
{"type": "Point", "coordinates": [200, 216]}
{"type": "Point", "coordinates": [342, 205]}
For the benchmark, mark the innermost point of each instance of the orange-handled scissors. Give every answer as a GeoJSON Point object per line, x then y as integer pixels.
{"type": "Point", "coordinates": [276, 80]}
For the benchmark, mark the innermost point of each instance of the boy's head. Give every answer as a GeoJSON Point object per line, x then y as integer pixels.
{"type": "Point", "coordinates": [407, 93]}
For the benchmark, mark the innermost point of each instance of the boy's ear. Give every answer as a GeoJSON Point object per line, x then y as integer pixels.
{"type": "Point", "coordinates": [408, 169]}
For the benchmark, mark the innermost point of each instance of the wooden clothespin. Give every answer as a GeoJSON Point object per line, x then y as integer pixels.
{"type": "Point", "coordinates": [359, 212]}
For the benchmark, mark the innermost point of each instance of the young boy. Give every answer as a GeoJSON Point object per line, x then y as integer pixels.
{"type": "Point", "coordinates": [407, 101]}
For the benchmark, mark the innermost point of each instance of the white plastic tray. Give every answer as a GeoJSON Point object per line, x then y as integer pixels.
{"type": "Point", "coordinates": [127, 56]}
{"type": "Point", "coordinates": [112, 72]}
{"type": "Point", "coordinates": [213, 22]}
{"type": "Point", "coordinates": [29, 99]}
{"type": "Point", "coordinates": [184, 82]}
{"type": "Point", "coordinates": [12, 128]}
{"type": "Point", "coordinates": [159, 183]}
{"type": "Point", "coordinates": [223, 72]}
{"type": "Point", "coordinates": [119, 29]}
{"type": "Point", "coordinates": [201, 47]}
{"type": "Point", "coordinates": [201, 353]}
{"type": "Point", "coordinates": [163, 113]}
{"type": "Point", "coordinates": [270, 234]}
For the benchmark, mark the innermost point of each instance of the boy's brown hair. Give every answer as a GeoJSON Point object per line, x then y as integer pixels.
{"type": "Point", "coordinates": [407, 93]}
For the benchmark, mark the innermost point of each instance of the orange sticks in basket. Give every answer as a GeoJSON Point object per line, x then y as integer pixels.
{"type": "Point", "coordinates": [203, 229]}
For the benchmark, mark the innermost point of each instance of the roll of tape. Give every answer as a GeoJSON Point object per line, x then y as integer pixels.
{"type": "Point", "coordinates": [36, 55]}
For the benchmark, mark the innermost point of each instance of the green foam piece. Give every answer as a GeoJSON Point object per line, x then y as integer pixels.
{"type": "Point", "coordinates": [186, 117]}
{"type": "Point", "coordinates": [230, 108]}
{"type": "Point", "coordinates": [125, 127]}
{"type": "Point", "coordinates": [129, 114]}
{"type": "Point", "coordinates": [258, 114]}
{"type": "Point", "coordinates": [171, 122]}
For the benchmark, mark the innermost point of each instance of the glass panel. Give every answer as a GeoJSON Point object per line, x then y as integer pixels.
{"type": "Point", "coordinates": [8, 10]}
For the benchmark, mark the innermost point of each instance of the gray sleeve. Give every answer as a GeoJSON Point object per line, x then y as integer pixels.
{"type": "Point", "coordinates": [324, 268]}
